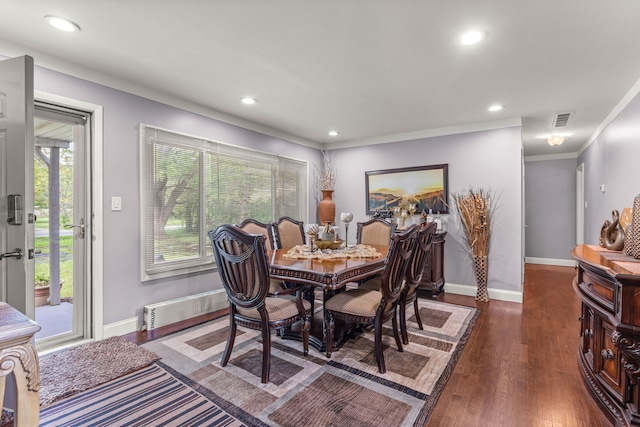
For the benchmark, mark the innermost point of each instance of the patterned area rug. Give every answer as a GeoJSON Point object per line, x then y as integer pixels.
{"type": "Point", "coordinates": [148, 397]}
{"type": "Point", "coordinates": [315, 391]}
{"type": "Point", "coordinates": [70, 371]}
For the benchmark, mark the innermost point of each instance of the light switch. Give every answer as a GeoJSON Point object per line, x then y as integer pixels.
{"type": "Point", "coordinates": [116, 203]}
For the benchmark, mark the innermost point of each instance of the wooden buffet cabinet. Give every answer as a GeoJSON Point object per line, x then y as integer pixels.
{"type": "Point", "coordinates": [608, 283]}
{"type": "Point", "coordinates": [433, 273]}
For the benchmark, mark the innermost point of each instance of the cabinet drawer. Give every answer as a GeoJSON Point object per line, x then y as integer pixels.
{"type": "Point", "coordinates": [598, 287]}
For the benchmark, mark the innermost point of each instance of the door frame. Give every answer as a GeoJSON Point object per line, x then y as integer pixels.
{"type": "Point", "coordinates": [94, 158]}
{"type": "Point", "coordinates": [580, 206]}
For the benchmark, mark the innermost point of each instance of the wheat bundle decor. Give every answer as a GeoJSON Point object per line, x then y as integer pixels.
{"type": "Point", "coordinates": [475, 209]}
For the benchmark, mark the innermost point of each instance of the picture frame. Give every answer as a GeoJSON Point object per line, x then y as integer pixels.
{"type": "Point", "coordinates": [427, 186]}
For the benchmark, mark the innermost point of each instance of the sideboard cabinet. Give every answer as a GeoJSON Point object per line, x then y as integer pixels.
{"type": "Point", "coordinates": [608, 283]}
{"type": "Point", "coordinates": [433, 273]}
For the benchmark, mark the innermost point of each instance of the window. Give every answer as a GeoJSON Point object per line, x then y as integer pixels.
{"type": "Point", "coordinates": [191, 185]}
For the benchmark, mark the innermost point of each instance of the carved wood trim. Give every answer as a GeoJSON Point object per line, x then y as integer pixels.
{"type": "Point", "coordinates": [26, 355]}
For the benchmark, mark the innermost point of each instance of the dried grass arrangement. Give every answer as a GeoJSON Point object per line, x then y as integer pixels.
{"type": "Point", "coordinates": [474, 207]}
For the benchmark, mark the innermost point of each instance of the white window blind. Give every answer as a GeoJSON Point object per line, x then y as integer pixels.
{"type": "Point", "coordinates": [191, 185]}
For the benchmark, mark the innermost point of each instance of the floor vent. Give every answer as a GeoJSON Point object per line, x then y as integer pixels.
{"type": "Point", "coordinates": [175, 310]}
{"type": "Point", "coordinates": [561, 119]}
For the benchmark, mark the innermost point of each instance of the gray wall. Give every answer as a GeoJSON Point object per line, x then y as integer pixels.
{"type": "Point", "coordinates": [550, 209]}
{"type": "Point", "coordinates": [488, 159]}
{"type": "Point", "coordinates": [124, 293]}
{"type": "Point", "coordinates": [613, 160]}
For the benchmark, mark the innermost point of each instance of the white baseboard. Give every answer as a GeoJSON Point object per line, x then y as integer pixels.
{"type": "Point", "coordinates": [496, 294]}
{"type": "Point", "coordinates": [551, 261]}
{"type": "Point", "coordinates": [123, 327]}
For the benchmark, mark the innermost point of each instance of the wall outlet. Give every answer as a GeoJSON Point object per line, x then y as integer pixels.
{"type": "Point", "coordinates": [116, 204]}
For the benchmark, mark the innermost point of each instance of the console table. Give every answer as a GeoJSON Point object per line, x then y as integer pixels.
{"type": "Point", "coordinates": [433, 273]}
{"type": "Point", "coordinates": [608, 283]}
{"type": "Point", "coordinates": [18, 357]}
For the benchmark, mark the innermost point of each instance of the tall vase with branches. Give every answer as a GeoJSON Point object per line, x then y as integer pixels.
{"type": "Point", "coordinates": [326, 178]}
{"type": "Point", "coordinates": [475, 208]}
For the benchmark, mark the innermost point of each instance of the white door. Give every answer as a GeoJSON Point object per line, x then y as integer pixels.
{"type": "Point", "coordinates": [16, 184]}
{"type": "Point", "coordinates": [61, 229]}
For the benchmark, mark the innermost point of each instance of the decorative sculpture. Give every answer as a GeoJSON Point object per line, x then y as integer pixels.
{"type": "Point", "coordinates": [632, 244]}
{"type": "Point", "coordinates": [612, 234]}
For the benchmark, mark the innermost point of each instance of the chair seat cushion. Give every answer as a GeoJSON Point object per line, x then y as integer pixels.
{"type": "Point", "coordinates": [280, 308]}
{"type": "Point", "coordinates": [357, 302]}
{"type": "Point", "coordinates": [276, 285]}
{"type": "Point", "coordinates": [371, 284]}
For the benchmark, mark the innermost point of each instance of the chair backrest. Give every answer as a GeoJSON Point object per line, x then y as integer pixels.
{"type": "Point", "coordinates": [397, 262]}
{"type": "Point", "coordinates": [252, 226]}
{"type": "Point", "coordinates": [242, 264]}
{"type": "Point", "coordinates": [376, 231]}
{"type": "Point", "coordinates": [421, 252]}
{"type": "Point", "coordinates": [288, 232]}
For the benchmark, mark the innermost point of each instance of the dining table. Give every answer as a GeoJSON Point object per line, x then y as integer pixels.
{"type": "Point", "coordinates": [330, 272]}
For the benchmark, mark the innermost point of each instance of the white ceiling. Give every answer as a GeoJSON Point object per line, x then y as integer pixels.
{"type": "Point", "coordinates": [376, 70]}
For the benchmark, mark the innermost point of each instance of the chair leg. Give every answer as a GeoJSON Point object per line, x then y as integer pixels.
{"type": "Point", "coordinates": [230, 340]}
{"type": "Point", "coordinates": [328, 333]}
{"type": "Point", "coordinates": [266, 353]}
{"type": "Point", "coordinates": [402, 309]}
{"type": "Point", "coordinates": [377, 344]}
{"type": "Point", "coordinates": [415, 308]}
{"type": "Point", "coordinates": [396, 333]}
{"type": "Point", "coordinates": [306, 327]}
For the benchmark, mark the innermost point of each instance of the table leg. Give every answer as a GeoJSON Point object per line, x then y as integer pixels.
{"type": "Point", "coordinates": [22, 361]}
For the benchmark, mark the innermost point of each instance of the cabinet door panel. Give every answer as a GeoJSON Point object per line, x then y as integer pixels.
{"type": "Point", "coordinates": [610, 366]}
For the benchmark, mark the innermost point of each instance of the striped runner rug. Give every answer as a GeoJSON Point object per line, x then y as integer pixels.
{"type": "Point", "coordinates": [148, 397]}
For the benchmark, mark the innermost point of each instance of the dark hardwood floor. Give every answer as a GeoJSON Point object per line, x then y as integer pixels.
{"type": "Point", "coordinates": [519, 367]}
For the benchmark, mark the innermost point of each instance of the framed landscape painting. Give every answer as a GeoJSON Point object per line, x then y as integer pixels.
{"type": "Point", "coordinates": [427, 186]}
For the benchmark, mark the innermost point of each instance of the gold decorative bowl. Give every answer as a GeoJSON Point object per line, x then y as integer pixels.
{"type": "Point", "coordinates": [326, 244]}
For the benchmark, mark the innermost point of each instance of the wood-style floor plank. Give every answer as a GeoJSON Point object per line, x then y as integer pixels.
{"type": "Point", "coordinates": [519, 367]}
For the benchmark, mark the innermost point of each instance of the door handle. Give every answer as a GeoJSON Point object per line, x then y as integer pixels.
{"type": "Point", "coordinates": [80, 226]}
{"type": "Point", "coordinates": [16, 253]}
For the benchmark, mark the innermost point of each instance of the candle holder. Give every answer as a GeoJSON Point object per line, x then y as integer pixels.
{"type": "Point", "coordinates": [346, 218]}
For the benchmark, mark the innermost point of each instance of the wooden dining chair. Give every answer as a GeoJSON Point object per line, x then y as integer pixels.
{"type": "Point", "coordinates": [288, 232]}
{"type": "Point", "coordinates": [244, 269]}
{"type": "Point", "coordinates": [368, 307]}
{"type": "Point", "coordinates": [253, 226]}
{"type": "Point", "coordinates": [376, 231]}
{"type": "Point", "coordinates": [413, 277]}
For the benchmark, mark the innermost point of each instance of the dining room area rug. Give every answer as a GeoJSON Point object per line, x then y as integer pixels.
{"type": "Point", "coordinates": [346, 389]}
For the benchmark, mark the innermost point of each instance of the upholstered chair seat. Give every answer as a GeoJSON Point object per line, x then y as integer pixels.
{"type": "Point", "coordinates": [372, 284]}
{"type": "Point", "coordinates": [278, 309]}
{"type": "Point", "coordinates": [358, 302]}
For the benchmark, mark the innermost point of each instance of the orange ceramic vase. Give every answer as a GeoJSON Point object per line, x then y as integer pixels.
{"type": "Point", "coordinates": [327, 208]}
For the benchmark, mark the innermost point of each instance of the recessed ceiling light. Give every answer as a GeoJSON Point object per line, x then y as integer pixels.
{"type": "Point", "coordinates": [249, 101]}
{"type": "Point", "coordinates": [472, 37]}
{"type": "Point", "coordinates": [496, 107]}
{"type": "Point", "coordinates": [334, 133]}
{"type": "Point", "coordinates": [62, 24]}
